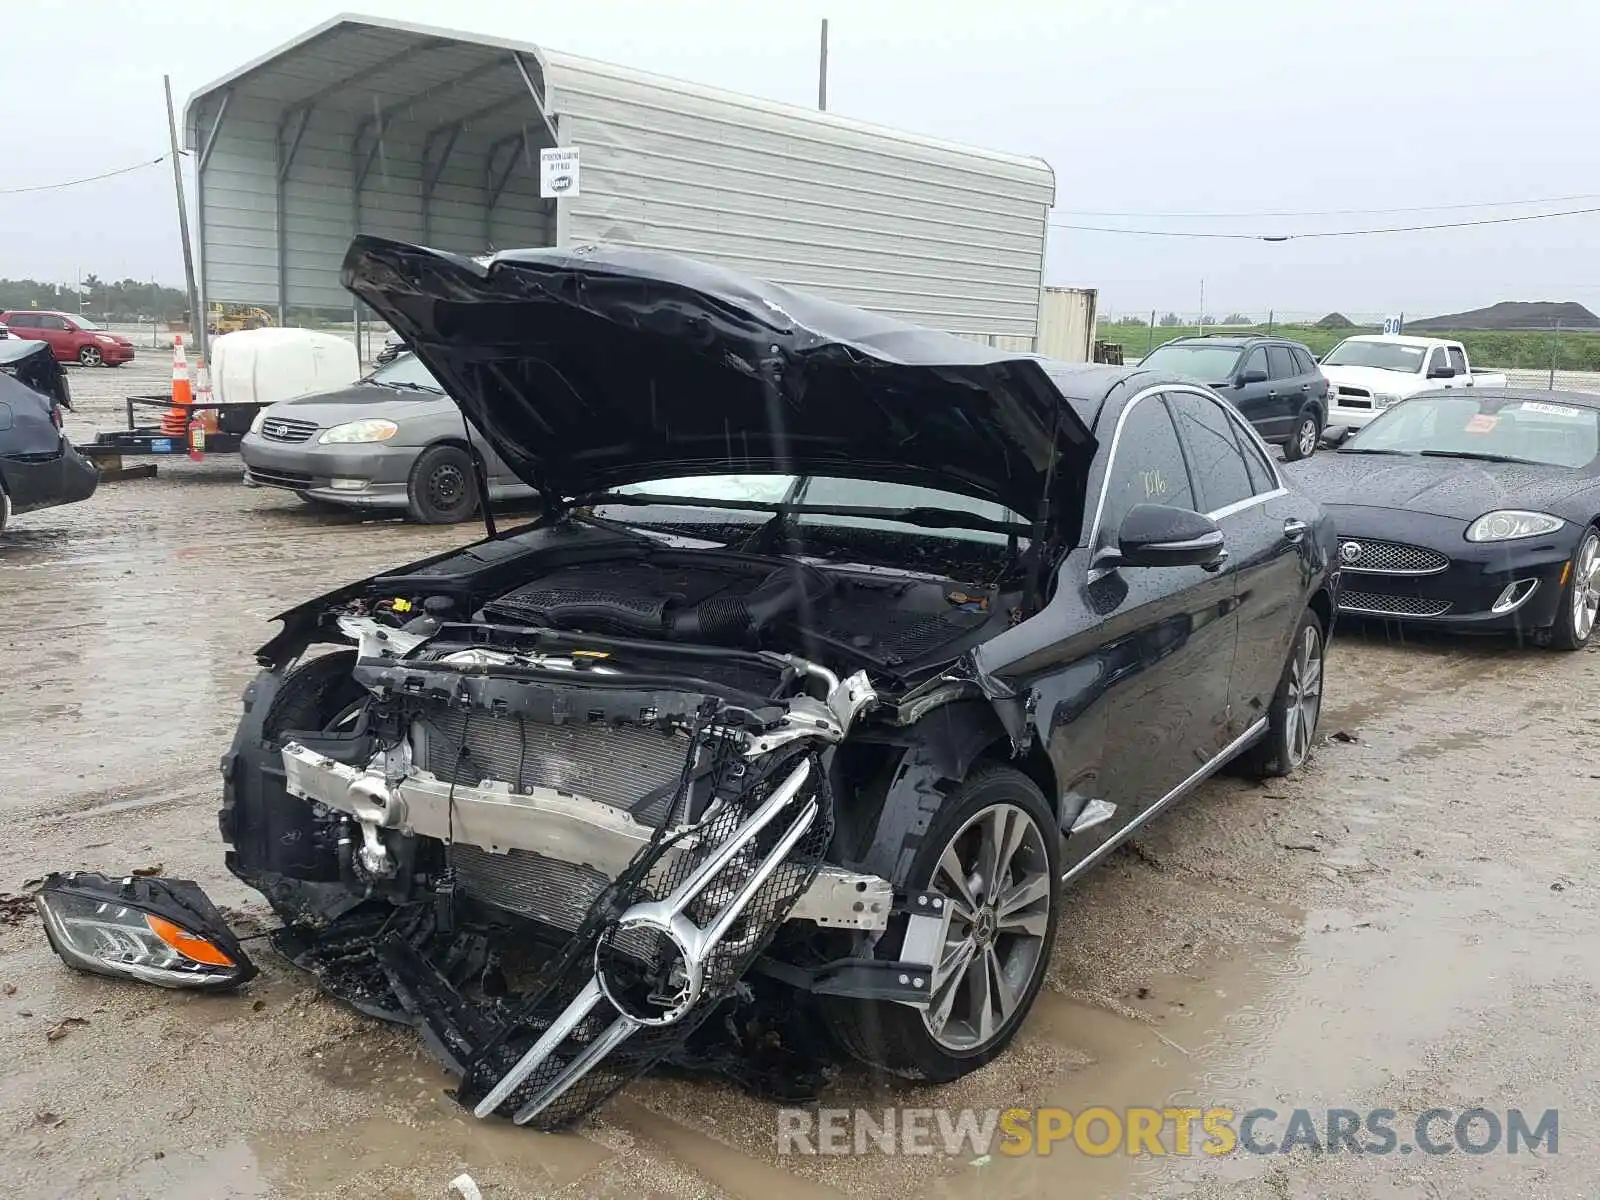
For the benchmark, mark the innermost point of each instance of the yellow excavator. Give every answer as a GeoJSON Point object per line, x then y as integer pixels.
{"type": "Point", "coordinates": [226, 318]}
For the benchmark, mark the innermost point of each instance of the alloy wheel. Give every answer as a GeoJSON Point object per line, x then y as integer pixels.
{"type": "Point", "coordinates": [89, 356]}
{"type": "Point", "coordinates": [1308, 437]}
{"type": "Point", "coordinates": [1586, 586]}
{"type": "Point", "coordinates": [1303, 703]}
{"type": "Point", "coordinates": [995, 876]}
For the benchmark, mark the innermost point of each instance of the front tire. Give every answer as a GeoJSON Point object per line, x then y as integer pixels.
{"type": "Point", "coordinates": [90, 356]}
{"type": "Point", "coordinates": [442, 490]}
{"type": "Point", "coordinates": [1580, 599]}
{"type": "Point", "coordinates": [992, 851]}
{"type": "Point", "coordinates": [1296, 706]}
{"type": "Point", "coordinates": [1302, 442]}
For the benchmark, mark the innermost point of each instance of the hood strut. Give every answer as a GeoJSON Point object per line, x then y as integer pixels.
{"type": "Point", "coordinates": [480, 475]}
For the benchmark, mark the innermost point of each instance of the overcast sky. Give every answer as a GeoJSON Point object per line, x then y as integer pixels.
{"type": "Point", "coordinates": [1141, 107]}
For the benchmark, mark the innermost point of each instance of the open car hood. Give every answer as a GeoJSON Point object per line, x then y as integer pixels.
{"type": "Point", "coordinates": [595, 367]}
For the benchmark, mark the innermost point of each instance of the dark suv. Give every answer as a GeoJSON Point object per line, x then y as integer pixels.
{"type": "Point", "coordinates": [1274, 382]}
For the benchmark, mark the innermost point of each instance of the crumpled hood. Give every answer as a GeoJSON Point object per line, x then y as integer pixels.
{"type": "Point", "coordinates": [1443, 487]}
{"type": "Point", "coordinates": [595, 367]}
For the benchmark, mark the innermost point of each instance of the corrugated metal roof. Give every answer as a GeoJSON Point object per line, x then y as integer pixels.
{"type": "Point", "coordinates": [379, 126]}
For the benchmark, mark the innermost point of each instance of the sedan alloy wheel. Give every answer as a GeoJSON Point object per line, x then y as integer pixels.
{"type": "Point", "coordinates": [995, 875]}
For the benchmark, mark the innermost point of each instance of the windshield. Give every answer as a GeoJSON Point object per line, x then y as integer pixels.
{"type": "Point", "coordinates": [1536, 431]}
{"type": "Point", "coordinates": [1386, 356]}
{"type": "Point", "coordinates": [1209, 364]}
{"type": "Point", "coordinates": [405, 371]}
{"type": "Point", "coordinates": [83, 322]}
{"type": "Point", "coordinates": [827, 492]}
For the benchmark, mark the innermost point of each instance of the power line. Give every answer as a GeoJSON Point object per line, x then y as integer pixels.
{"type": "Point", "coordinates": [1327, 233]}
{"type": "Point", "coordinates": [1327, 212]}
{"type": "Point", "coordinates": [53, 187]}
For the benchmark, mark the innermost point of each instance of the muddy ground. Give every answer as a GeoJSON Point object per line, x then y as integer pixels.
{"type": "Point", "coordinates": [1411, 923]}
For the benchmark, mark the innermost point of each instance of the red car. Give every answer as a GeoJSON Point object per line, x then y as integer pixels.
{"type": "Point", "coordinates": [72, 338]}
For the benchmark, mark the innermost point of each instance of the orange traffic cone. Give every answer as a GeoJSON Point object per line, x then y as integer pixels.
{"type": "Point", "coordinates": [175, 422]}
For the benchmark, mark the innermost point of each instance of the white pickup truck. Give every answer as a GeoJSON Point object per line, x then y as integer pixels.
{"type": "Point", "coordinates": [1371, 372]}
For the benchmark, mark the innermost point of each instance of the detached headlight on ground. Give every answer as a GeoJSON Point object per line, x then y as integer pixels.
{"type": "Point", "coordinates": [164, 932]}
{"type": "Point", "coordinates": [1508, 524]}
{"type": "Point", "coordinates": [373, 430]}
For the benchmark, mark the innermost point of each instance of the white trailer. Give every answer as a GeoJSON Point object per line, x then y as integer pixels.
{"type": "Point", "coordinates": [369, 125]}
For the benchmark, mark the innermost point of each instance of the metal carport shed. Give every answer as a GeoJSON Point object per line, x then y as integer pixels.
{"type": "Point", "coordinates": [427, 135]}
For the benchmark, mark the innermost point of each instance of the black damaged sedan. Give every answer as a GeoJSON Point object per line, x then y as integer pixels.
{"type": "Point", "coordinates": [838, 649]}
{"type": "Point", "coordinates": [1475, 511]}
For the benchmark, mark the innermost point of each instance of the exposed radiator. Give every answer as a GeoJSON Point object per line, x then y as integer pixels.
{"type": "Point", "coordinates": [531, 885]}
{"type": "Point", "coordinates": [542, 889]}
{"type": "Point", "coordinates": [615, 765]}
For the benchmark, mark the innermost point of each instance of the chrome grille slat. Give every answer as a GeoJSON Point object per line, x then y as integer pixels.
{"type": "Point", "coordinates": [1381, 605]}
{"type": "Point", "coordinates": [614, 765]}
{"type": "Point", "coordinates": [282, 429]}
{"type": "Point", "coordinates": [1390, 558]}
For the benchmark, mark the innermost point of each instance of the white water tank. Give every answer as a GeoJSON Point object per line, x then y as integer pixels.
{"type": "Point", "coordinates": [264, 366]}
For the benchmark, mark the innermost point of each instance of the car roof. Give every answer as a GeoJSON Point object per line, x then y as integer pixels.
{"type": "Point", "coordinates": [16, 349]}
{"type": "Point", "coordinates": [1089, 387]}
{"type": "Point", "coordinates": [1400, 339]}
{"type": "Point", "coordinates": [1239, 340]}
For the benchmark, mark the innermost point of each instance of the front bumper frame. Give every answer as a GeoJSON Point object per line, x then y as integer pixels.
{"type": "Point", "coordinates": [542, 821]}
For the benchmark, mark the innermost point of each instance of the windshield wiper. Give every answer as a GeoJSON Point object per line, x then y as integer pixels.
{"type": "Point", "coordinates": [1369, 450]}
{"type": "Point", "coordinates": [405, 385]}
{"type": "Point", "coordinates": [926, 518]}
{"type": "Point", "coordinates": [1480, 456]}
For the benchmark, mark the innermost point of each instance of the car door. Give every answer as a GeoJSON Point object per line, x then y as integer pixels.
{"type": "Point", "coordinates": [1317, 389]}
{"type": "Point", "coordinates": [1436, 359]}
{"type": "Point", "coordinates": [1287, 392]}
{"type": "Point", "coordinates": [1267, 530]}
{"type": "Point", "coordinates": [1132, 702]}
{"type": "Point", "coordinates": [58, 333]}
{"type": "Point", "coordinates": [1251, 396]}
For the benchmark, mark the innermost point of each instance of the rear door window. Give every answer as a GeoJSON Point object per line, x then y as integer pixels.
{"type": "Point", "coordinates": [1303, 360]}
{"type": "Point", "coordinates": [24, 321]}
{"type": "Point", "coordinates": [1281, 364]}
{"type": "Point", "coordinates": [1216, 456]}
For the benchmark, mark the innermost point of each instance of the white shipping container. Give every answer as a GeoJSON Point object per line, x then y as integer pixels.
{"type": "Point", "coordinates": [1067, 322]}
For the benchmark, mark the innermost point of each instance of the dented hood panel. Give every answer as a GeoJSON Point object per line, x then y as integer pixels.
{"type": "Point", "coordinates": [595, 367]}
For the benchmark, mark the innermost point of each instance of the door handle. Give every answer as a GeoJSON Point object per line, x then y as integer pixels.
{"type": "Point", "coordinates": [1294, 529]}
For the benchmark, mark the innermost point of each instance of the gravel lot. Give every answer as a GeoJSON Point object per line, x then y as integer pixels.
{"type": "Point", "coordinates": [1410, 923]}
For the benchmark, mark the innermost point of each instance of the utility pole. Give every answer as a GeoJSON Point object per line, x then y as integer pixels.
{"type": "Point", "coordinates": [1202, 322]}
{"type": "Point", "coordinates": [822, 70]}
{"type": "Point", "coordinates": [197, 319]}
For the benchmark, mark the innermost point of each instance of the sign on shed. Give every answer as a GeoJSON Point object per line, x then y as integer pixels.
{"type": "Point", "coordinates": [558, 172]}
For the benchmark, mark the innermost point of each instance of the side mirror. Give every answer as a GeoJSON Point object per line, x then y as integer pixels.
{"type": "Point", "coordinates": [1335, 436]}
{"type": "Point", "coordinates": [1253, 375]}
{"type": "Point", "coordinates": [1159, 535]}
{"type": "Point", "coordinates": [1444, 372]}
